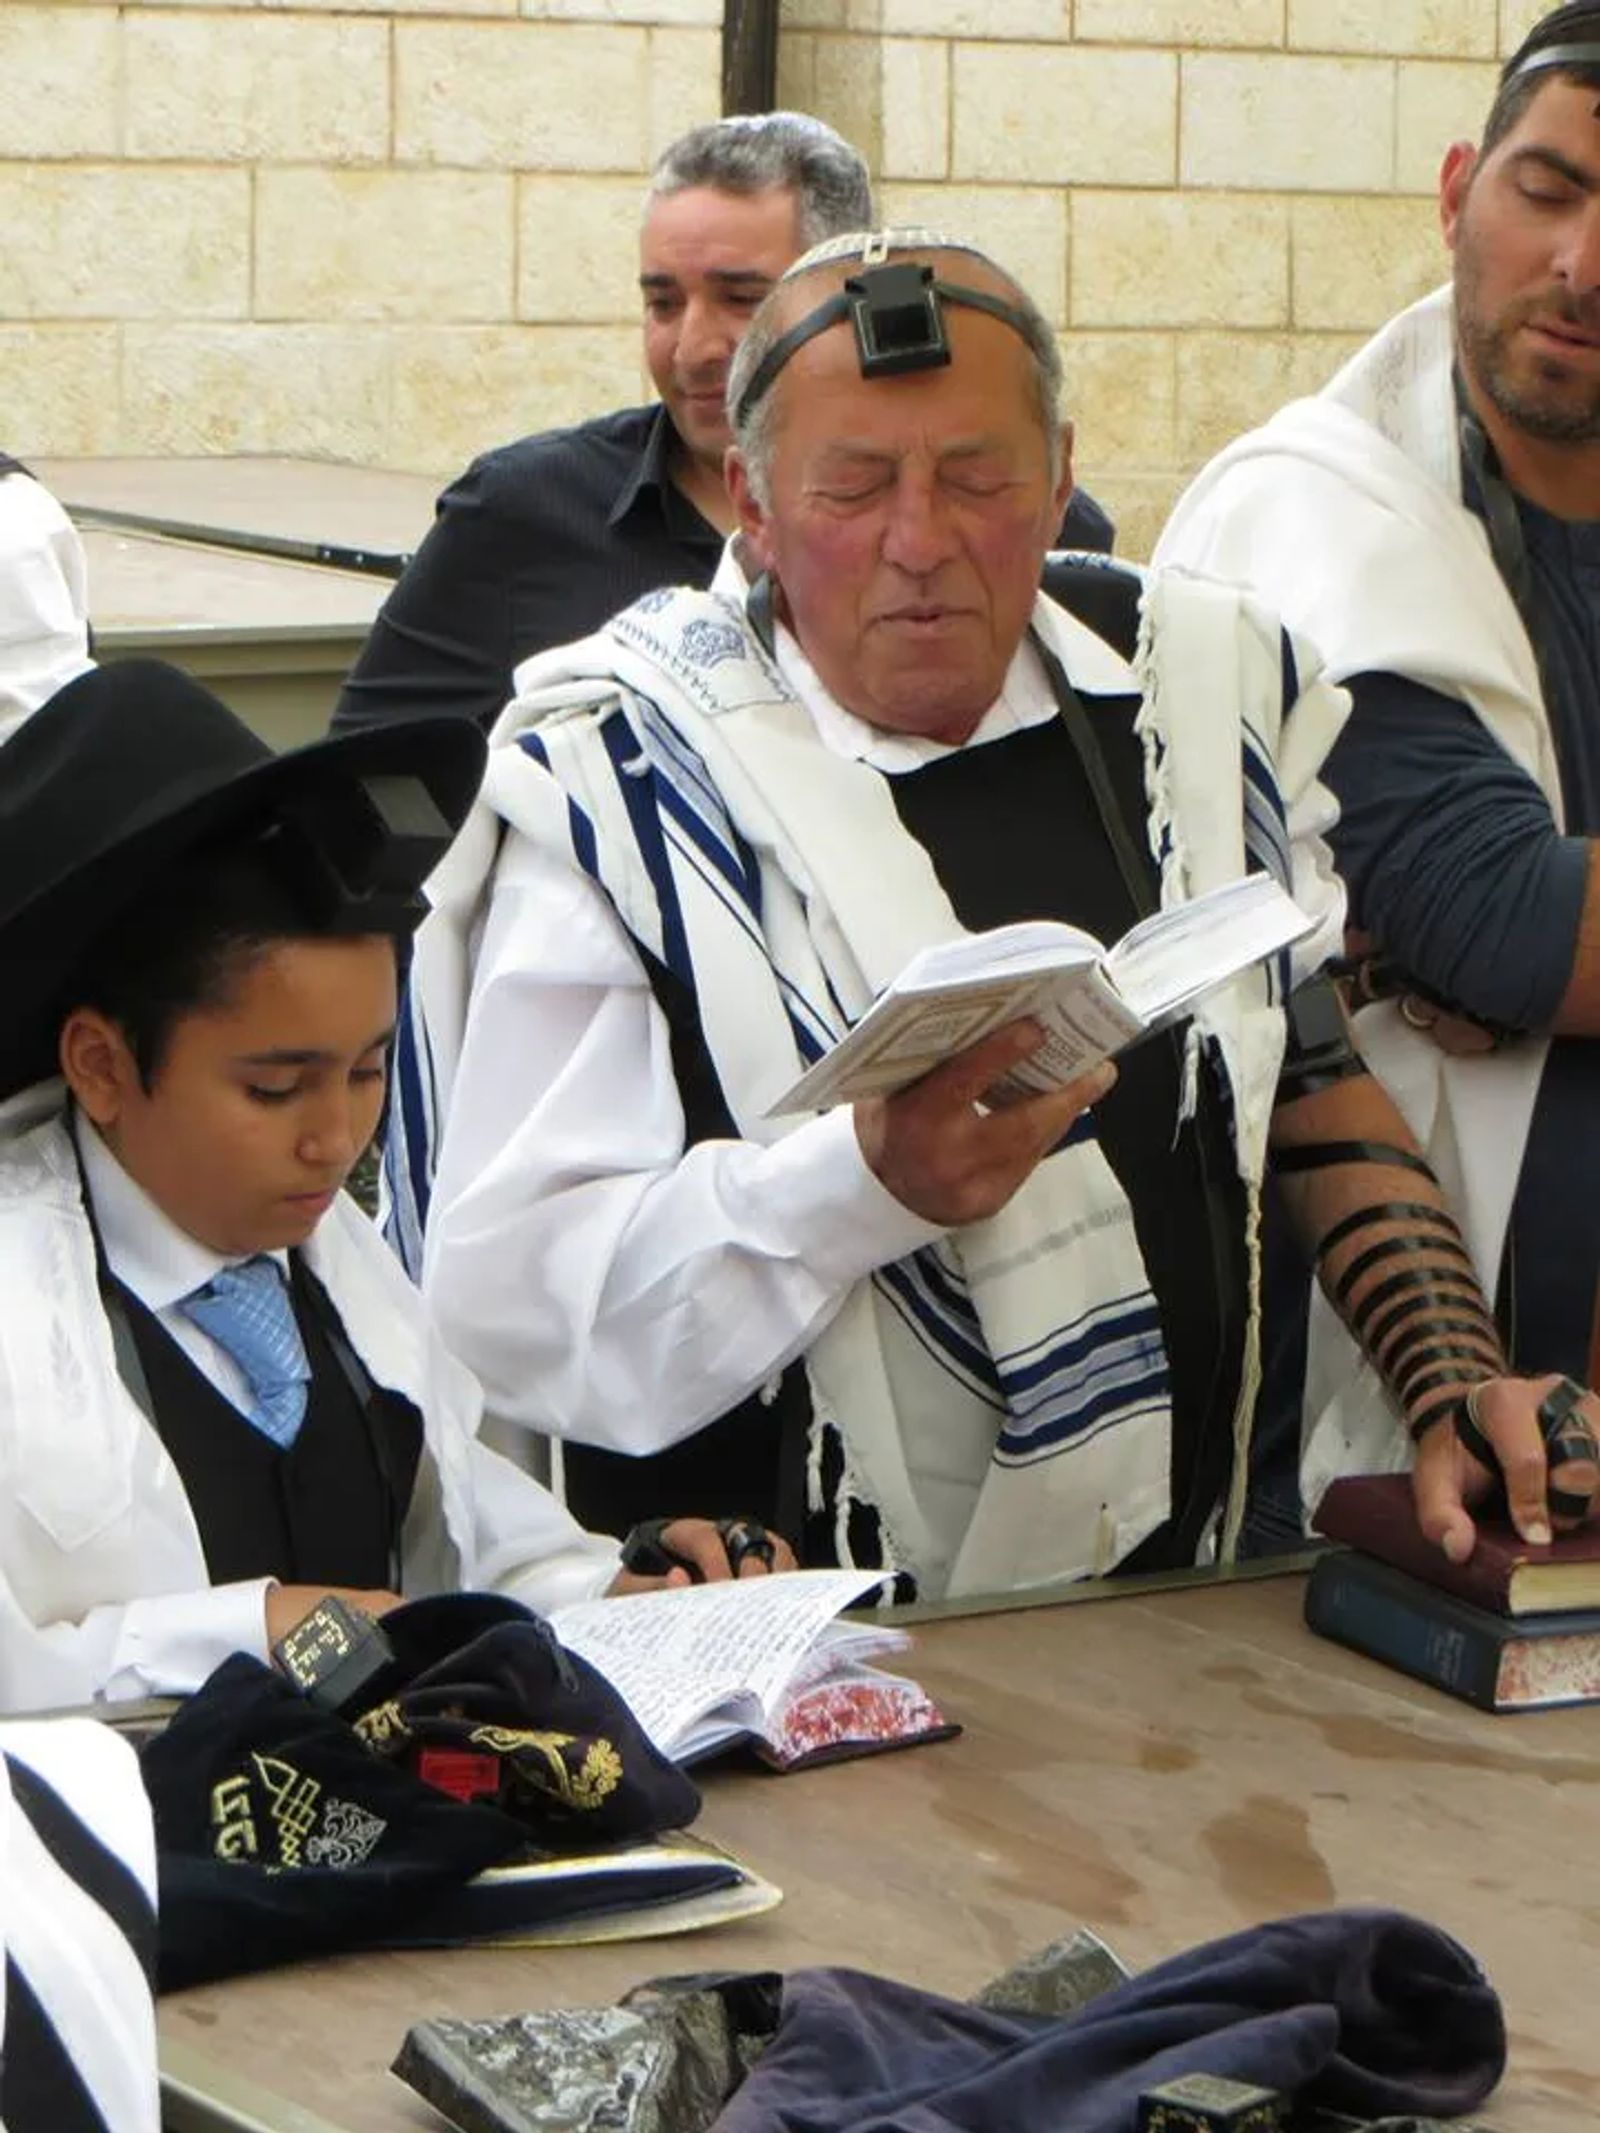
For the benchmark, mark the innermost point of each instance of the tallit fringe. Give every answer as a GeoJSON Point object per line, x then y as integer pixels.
{"type": "Point", "coordinates": [1166, 846]}
{"type": "Point", "coordinates": [1244, 1414]}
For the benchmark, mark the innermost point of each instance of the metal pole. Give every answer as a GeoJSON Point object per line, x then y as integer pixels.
{"type": "Point", "coordinates": [749, 55]}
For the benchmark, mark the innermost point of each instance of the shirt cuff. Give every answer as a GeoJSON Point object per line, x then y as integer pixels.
{"type": "Point", "coordinates": [169, 1645]}
{"type": "Point", "coordinates": [844, 1223]}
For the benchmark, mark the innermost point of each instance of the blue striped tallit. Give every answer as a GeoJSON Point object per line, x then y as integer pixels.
{"type": "Point", "coordinates": [1001, 1397]}
{"type": "Point", "coordinates": [77, 1924]}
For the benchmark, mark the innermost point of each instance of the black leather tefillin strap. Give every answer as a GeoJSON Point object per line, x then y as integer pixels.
{"type": "Point", "coordinates": [645, 1548]}
{"type": "Point", "coordinates": [1317, 1050]}
{"type": "Point", "coordinates": [1569, 1440]}
{"type": "Point", "coordinates": [1453, 1339]}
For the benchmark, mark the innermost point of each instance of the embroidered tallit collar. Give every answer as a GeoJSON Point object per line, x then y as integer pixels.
{"type": "Point", "coordinates": [1026, 699]}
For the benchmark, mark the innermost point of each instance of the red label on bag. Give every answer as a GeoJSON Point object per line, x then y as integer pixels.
{"type": "Point", "coordinates": [459, 1772]}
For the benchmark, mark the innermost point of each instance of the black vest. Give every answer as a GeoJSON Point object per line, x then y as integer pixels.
{"type": "Point", "coordinates": [1014, 830]}
{"type": "Point", "coordinates": [329, 1510]}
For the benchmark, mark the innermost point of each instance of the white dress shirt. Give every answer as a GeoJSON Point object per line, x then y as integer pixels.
{"type": "Point", "coordinates": [44, 600]}
{"type": "Point", "coordinates": [157, 1262]}
{"type": "Point", "coordinates": [604, 1284]}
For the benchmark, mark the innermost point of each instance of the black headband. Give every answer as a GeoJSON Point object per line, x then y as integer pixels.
{"type": "Point", "coordinates": [896, 308]}
{"type": "Point", "coordinates": [1555, 55]}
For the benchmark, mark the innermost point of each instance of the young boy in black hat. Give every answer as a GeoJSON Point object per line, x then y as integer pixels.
{"type": "Point", "coordinates": [220, 1399]}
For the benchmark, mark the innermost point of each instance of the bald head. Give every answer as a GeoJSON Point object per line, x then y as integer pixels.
{"type": "Point", "coordinates": [899, 478]}
{"type": "Point", "coordinates": [963, 278]}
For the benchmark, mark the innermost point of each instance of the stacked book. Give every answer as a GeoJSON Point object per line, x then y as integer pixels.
{"type": "Point", "coordinates": [1513, 1628]}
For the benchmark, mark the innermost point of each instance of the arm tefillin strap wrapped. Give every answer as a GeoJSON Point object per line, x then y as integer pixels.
{"type": "Point", "coordinates": [1317, 1049]}
{"type": "Point", "coordinates": [1425, 1326]}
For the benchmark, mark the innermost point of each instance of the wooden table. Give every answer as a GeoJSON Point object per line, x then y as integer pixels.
{"type": "Point", "coordinates": [273, 637]}
{"type": "Point", "coordinates": [1164, 1768]}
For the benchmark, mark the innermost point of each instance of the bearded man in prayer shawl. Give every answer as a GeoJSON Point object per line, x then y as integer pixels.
{"type": "Point", "coordinates": [1431, 520]}
{"type": "Point", "coordinates": [982, 1348]}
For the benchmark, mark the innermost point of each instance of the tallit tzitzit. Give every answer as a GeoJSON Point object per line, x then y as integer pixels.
{"type": "Point", "coordinates": [1344, 512]}
{"type": "Point", "coordinates": [772, 875]}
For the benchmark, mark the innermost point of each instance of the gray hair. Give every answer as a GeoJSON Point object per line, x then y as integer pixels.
{"type": "Point", "coordinates": [828, 177]}
{"type": "Point", "coordinates": [752, 430]}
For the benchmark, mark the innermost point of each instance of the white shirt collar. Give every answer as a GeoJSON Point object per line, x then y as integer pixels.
{"type": "Point", "coordinates": [1026, 697]}
{"type": "Point", "coordinates": [146, 1250]}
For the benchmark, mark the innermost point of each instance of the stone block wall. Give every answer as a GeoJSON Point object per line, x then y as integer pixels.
{"type": "Point", "coordinates": [398, 230]}
{"type": "Point", "coordinates": [392, 232]}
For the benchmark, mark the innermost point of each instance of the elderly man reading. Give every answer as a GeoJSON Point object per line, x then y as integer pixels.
{"type": "Point", "coordinates": [983, 1348]}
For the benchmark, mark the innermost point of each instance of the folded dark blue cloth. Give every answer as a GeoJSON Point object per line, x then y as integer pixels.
{"type": "Point", "coordinates": [1366, 2012]}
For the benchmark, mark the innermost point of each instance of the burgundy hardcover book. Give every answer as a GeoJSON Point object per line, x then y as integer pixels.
{"type": "Point", "coordinates": [1376, 1513]}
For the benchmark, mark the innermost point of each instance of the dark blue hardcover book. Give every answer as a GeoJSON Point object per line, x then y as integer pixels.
{"type": "Point", "coordinates": [1498, 1662]}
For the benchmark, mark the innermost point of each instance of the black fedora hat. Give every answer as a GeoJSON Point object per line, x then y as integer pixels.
{"type": "Point", "coordinates": [132, 767]}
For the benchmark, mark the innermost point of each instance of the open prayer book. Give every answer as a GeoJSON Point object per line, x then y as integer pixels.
{"type": "Point", "coordinates": [762, 1661]}
{"type": "Point", "coordinates": [1091, 1000]}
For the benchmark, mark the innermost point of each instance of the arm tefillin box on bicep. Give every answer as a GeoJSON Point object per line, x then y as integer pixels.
{"type": "Point", "coordinates": [1209, 2103]}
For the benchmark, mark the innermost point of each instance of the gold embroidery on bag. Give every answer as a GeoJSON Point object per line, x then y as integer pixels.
{"type": "Point", "coordinates": [231, 1820]}
{"type": "Point", "coordinates": [383, 1727]}
{"type": "Point", "coordinates": [594, 1780]}
{"type": "Point", "coordinates": [294, 1799]}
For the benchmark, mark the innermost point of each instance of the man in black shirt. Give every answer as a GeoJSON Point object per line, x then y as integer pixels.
{"type": "Point", "coordinates": [541, 540]}
{"type": "Point", "coordinates": [984, 1348]}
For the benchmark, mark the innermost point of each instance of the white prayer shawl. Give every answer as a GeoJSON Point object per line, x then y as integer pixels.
{"type": "Point", "coordinates": [1344, 513]}
{"type": "Point", "coordinates": [1022, 1354]}
{"type": "Point", "coordinates": [96, 1530]}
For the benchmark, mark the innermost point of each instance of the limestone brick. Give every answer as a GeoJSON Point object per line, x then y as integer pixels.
{"type": "Point", "coordinates": [58, 82]}
{"type": "Point", "coordinates": [847, 90]}
{"type": "Point", "coordinates": [1064, 115]}
{"type": "Point", "coordinates": [460, 390]}
{"type": "Point", "coordinates": [1357, 262]}
{"type": "Point", "coordinates": [797, 72]}
{"type": "Point", "coordinates": [1139, 503]}
{"type": "Point", "coordinates": [1437, 103]}
{"type": "Point", "coordinates": [578, 249]}
{"type": "Point", "coordinates": [60, 389]}
{"type": "Point", "coordinates": [1446, 29]}
{"type": "Point", "coordinates": [322, 391]}
{"type": "Point", "coordinates": [809, 15]}
{"type": "Point", "coordinates": [684, 77]}
{"type": "Point", "coordinates": [1275, 122]}
{"type": "Point", "coordinates": [361, 7]}
{"type": "Point", "coordinates": [962, 18]}
{"type": "Point", "coordinates": [1026, 230]}
{"type": "Point", "coordinates": [389, 244]}
{"type": "Point", "coordinates": [704, 12]}
{"type": "Point", "coordinates": [1180, 259]}
{"type": "Point", "coordinates": [916, 108]}
{"type": "Point", "coordinates": [1121, 396]}
{"type": "Point", "coordinates": [1254, 23]}
{"type": "Point", "coordinates": [1517, 17]}
{"type": "Point", "coordinates": [249, 87]}
{"type": "Point", "coordinates": [116, 241]}
{"type": "Point", "coordinates": [521, 96]}
{"type": "Point", "coordinates": [1230, 382]}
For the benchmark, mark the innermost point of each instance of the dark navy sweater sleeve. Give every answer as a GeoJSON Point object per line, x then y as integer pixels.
{"type": "Point", "coordinates": [1451, 855]}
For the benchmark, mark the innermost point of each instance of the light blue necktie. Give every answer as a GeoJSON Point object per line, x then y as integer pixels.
{"type": "Point", "coordinates": [246, 1311]}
